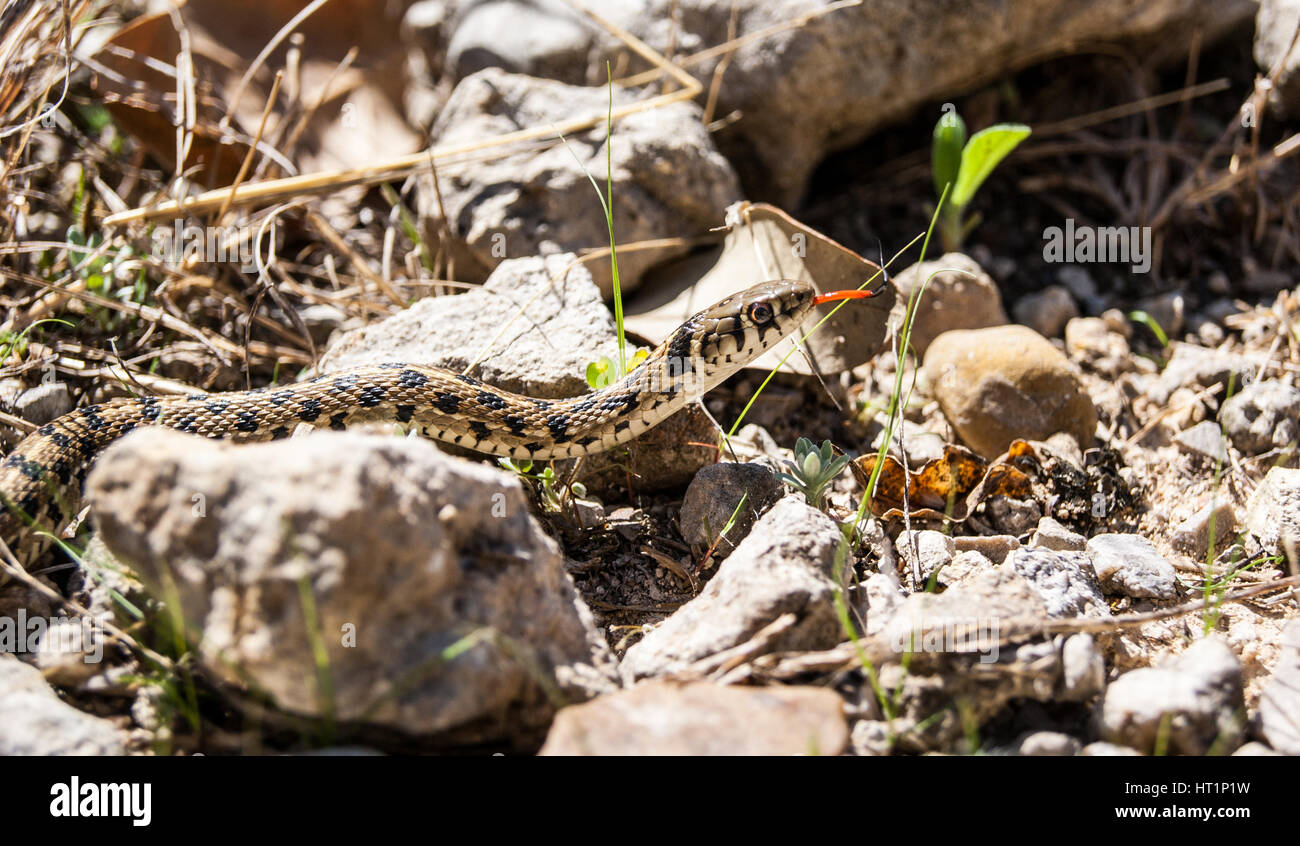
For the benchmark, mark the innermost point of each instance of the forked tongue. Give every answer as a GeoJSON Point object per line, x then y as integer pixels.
{"type": "Point", "coordinates": [835, 296]}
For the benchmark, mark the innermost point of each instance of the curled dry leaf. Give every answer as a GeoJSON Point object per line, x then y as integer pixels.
{"type": "Point", "coordinates": [949, 486]}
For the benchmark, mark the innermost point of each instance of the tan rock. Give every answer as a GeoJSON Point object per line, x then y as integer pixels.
{"type": "Point", "coordinates": [1006, 382]}
{"type": "Point", "coordinates": [699, 718]}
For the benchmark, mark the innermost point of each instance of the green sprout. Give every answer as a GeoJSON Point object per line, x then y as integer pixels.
{"type": "Point", "coordinates": [15, 343]}
{"type": "Point", "coordinates": [961, 166]}
{"type": "Point", "coordinates": [552, 499]}
{"type": "Point", "coordinates": [604, 372]}
{"type": "Point", "coordinates": [813, 470]}
{"type": "Point", "coordinates": [1140, 316]}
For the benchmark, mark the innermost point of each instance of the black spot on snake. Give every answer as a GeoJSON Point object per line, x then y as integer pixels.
{"type": "Point", "coordinates": [468, 380]}
{"type": "Point", "coordinates": [491, 400]}
{"type": "Point", "coordinates": [412, 379]}
{"type": "Point", "coordinates": [404, 413]}
{"type": "Point", "coordinates": [309, 410]}
{"type": "Point", "coordinates": [371, 396]}
{"type": "Point", "coordinates": [478, 427]}
{"type": "Point", "coordinates": [339, 421]}
{"type": "Point", "coordinates": [279, 433]}
{"type": "Point", "coordinates": [62, 471]}
{"type": "Point", "coordinates": [558, 424]}
{"type": "Point", "coordinates": [217, 406]}
{"type": "Point", "coordinates": [247, 421]}
{"type": "Point", "coordinates": [449, 403]}
{"type": "Point", "coordinates": [31, 469]}
{"type": "Point", "coordinates": [515, 422]}
{"type": "Point", "coordinates": [29, 504]}
{"type": "Point", "coordinates": [342, 384]}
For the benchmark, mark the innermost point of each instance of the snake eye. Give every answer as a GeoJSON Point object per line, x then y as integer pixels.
{"type": "Point", "coordinates": [760, 312]}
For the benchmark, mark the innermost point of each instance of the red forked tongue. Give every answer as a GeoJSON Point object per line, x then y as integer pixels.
{"type": "Point", "coordinates": [843, 295]}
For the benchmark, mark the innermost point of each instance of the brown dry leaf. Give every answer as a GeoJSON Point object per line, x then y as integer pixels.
{"type": "Point", "coordinates": [360, 120]}
{"type": "Point", "coordinates": [764, 243]}
{"type": "Point", "coordinates": [949, 486]}
{"type": "Point", "coordinates": [332, 117]}
{"type": "Point", "coordinates": [141, 97]}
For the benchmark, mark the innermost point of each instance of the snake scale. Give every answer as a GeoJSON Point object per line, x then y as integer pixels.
{"type": "Point", "coordinates": [40, 481]}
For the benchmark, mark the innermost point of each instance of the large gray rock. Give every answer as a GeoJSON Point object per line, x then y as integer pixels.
{"type": "Point", "coordinates": [1261, 416]}
{"type": "Point", "coordinates": [1047, 311]}
{"type": "Point", "coordinates": [825, 82]}
{"type": "Point", "coordinates": [442, 608]}
{"type": "Point", "coordinates": [783, 566]}
{"type": "Point", "coordinates": [544, 327]}
{"type": "Point", "coordinates": [925, 551]}
{"type": "Point", "coordinates": [1190, 705]}
{"type": "Point", "coordinates": [1192, 536]}
{"type": "Point", "coordinates": [669, 181]}
{"type": "Point", "coordinates": [663, 718]}
{"type": "Point", "coordinates": [34, 721]}
{"type": "Point", "coordinates": [1050, 534]}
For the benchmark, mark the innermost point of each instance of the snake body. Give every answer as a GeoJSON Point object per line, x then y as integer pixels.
{"type": "Point", "coordinates": [40, 481]}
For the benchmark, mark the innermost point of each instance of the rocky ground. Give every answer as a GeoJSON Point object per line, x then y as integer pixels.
{"type": "Point", "coordinates": [1084, 533]}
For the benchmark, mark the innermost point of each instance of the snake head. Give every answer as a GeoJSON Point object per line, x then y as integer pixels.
{"type": "Point", "coordinates": [723, 338]}
{"type": "Point", "coordinates": [746, 324]}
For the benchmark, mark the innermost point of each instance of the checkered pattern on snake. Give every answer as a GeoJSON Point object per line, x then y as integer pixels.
{"type": "Point", "coordinates": [40, 481]}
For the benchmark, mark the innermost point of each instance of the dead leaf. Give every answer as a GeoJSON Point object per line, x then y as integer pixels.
{"type": "Point", "coordinates": [330, 113]}
{"type": "Point", "coordinates": [141, 97]}
{"type": "Point", "coordinates": [950, 486]}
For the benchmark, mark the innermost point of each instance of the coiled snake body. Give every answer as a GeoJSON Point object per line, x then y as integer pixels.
{"type": "Point", "coordinates": [40, 481]}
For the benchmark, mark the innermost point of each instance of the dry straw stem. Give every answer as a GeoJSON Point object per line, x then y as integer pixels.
{"type": "Point", "coordinates": [279, 189]}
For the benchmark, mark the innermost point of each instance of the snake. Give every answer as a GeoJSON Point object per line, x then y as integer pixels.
{"type": "Point", "coordinates": [41, 480]}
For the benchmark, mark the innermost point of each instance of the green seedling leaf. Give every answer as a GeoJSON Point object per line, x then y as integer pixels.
{"type": "Point", "coordinates": [596, 373]}
{"type": "Point", "coordinates": [945, 154]}
{"type": "Point", "coordinates": [986, 149]}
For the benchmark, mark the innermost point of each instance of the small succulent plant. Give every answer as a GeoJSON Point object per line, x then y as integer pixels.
{"type": "Point", "coordinates": [813, 470]}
